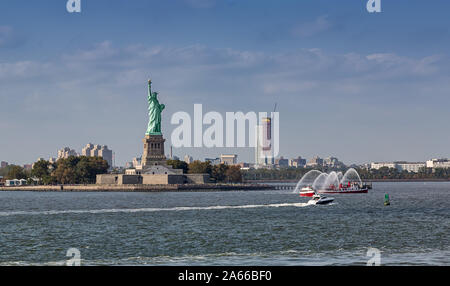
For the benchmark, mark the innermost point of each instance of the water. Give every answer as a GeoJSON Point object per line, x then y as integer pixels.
{"type": "Point", "coordinates": [227, 228]}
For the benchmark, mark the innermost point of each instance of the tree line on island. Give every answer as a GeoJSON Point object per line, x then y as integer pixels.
{"type": "Point", "coordinates": [385, 173]}
{"type": "Point", "coordinates": [220, 173]}
{"type": "Point", "coordinates": [72, 170]}
{"type": "Point", "coordinates": [83, 170]}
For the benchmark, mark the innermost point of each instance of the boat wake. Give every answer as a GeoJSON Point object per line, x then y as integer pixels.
{"type": "Point", "coordinates": [104, 211]}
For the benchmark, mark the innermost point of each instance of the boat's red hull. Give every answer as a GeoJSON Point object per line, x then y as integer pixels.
{"type": "Point", "coordinates": [306, 194]}
{"type": "Point", "coordinates": [360, 191]}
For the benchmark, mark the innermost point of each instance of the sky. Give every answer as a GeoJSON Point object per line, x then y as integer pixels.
{"type": "Point", "coordinates": [360, 86]}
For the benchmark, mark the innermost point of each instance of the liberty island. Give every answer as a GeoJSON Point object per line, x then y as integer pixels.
{"type": "Point", "coordinates": [154, 173]}
{"type": "Point", "coordinates": [154, 169]}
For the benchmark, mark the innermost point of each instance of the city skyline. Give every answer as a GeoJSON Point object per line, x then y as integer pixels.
{"type": "Point", "coordinates": [383, 98]}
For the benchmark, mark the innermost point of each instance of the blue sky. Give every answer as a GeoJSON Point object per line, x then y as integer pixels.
{"type": "Point", "coordinates": [359, 86]}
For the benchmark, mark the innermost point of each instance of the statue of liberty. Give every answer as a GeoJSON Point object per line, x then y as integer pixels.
{"type": "Point", "coordinates": [154, 112]}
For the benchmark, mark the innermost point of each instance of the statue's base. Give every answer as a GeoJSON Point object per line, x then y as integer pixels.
{"type": "Point", "coordinates": [153, 151]}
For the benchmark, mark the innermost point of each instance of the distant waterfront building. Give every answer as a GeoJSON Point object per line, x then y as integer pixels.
{"type": "Point", "coordinates": [52, 160]}
{"type": "Point", "coordinates": [332, 162]}
{"type": "Point", "coordinates": [213, 161]}
{"type": "Point", "coordinates": [28, 167]}
{"type": "Point", "coordinates": [244, 166]}
{"type": "Point", "coordinates": [91, 150]}
{"type": "Point", "coordinates": [94, 152]}
{"type": "Point", "coordinates": [136, 162]}
{"type": "Point", "coordinates": [297, 163]}
{"type": "Point", "coordinates": [379, 165]}
{"type": "Point", "coordinates": [438, 163]}
{"type": "Point", "coordinates": [228, 159]}
{"type": "Point", "coordinates": [365, 166]}
{"type": "Point", "coordinates": [410, 167]}
{"type": "Point", "coordinates": [282, 162]}
{"type": "Point", "coordinates": [86, 151]}
{"type": "Point", "coordinates": [15, 182]}
{"type": "Point", "coordinates": [263, 145]}
{"type": "Point", "coordinates": [188, 159]}
{"type": "Point", "coordinates": [315, 162]}
{"type": "Point", "coordinates": [107, 155]}
{"type": "Point", "coordinates": [4, 164]}
{"type": "Point", "coordinates": [400, 166]}
{"type": "Point", "coordinates": [65, 152]}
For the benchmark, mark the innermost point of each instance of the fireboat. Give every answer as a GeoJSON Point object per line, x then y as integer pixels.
{"type": "Point", "coordinates": [349, 188]}
{"type": "Point", "coordinates": [307, 191]}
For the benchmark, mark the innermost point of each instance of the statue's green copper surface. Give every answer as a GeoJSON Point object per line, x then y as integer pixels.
{"type": "Point", "coordinates": [154, 112]}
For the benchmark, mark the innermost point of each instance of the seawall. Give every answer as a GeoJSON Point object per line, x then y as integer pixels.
{"type": "Point", "coordinates": [141, 188]}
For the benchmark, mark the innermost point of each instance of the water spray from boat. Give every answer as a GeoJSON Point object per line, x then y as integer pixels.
{"type": "Point", "coordinates": [315, 181]}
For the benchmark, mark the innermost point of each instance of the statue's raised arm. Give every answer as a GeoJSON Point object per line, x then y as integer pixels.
{"type": "Point", "coordinates": [149, 88]}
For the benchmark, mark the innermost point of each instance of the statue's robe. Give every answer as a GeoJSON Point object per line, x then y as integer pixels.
{"type": "Point", "coordinates": [154, 114]}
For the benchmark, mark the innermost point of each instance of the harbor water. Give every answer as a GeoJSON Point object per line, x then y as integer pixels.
{"type": "Point", "coordinates": [270, 227]}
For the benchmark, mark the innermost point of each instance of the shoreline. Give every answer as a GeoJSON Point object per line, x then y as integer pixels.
{"type": "Point", "coordinates": [372, 180]}
{"type": "Point", "coordinates": [140, 188]}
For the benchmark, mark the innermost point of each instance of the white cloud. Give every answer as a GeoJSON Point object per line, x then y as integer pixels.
{"type": "Point", "coordinates": [95, 92]}
{"type": "Point", "coordinates": [210, 70]}
{"type": "Point", "coordinates": [22, 69]}
{"type": "Point", "coordinates": [319, 25]}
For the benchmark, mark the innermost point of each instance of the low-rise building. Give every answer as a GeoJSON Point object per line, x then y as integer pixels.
{"type": "Point", "coordinates": [228, 159]}
{"type": "Point", "coordinates": [410, 166]}
{"type": "Point", "coordinates": [137, 161]}
{"type": "Point", "coordinates": [297, 163]}
{"type": "Point", "coordinates": [213, 161]}
{"type": "Point", "coordinates": [379, 165]}
{"type": "Point", "coordinates": [15, 182]}
{"type": "Point", "coordinates": [332, 162]}
{"type": "Point", "coordinates": [438, 163]}
{"type": "Point", "coordinates": [400, 166]}
{"type": "Point", "coordinates": [188, 159]}
{"type": "Point", "coordinates": [282, 162]}
{"type": "Point", "coordinates": [315, 162]}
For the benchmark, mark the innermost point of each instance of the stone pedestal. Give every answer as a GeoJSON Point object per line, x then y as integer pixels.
{"type": "Point", "coordinates": [153, 151]}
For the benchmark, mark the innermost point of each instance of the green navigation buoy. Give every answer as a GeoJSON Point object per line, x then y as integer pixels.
{"type": "Point", "coordinates": [386, 200]}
